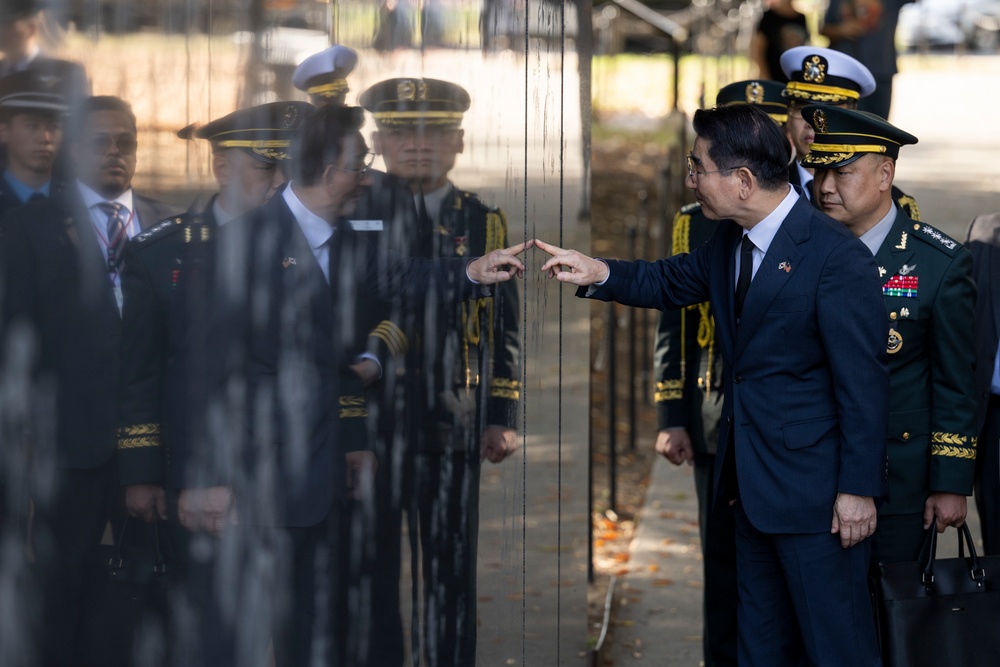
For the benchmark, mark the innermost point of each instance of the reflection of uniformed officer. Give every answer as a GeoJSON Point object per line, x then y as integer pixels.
{"type": "Point", "coordinates": [32, 111]}
{"type": "Point", "coordinates": [462, 376]}
{"type": "Point", "coordinates": [831, 78]}
{"type": "Point", "coordinates": [688, 370]}
{"type": "Point", "coordinates": [323, 75]}
{"type": "Point", "coordinates": [929, 298]}
{"type": "Point", "coordinates": [248, 148]}
{"type": "Point", "coordinates": [164, 391]}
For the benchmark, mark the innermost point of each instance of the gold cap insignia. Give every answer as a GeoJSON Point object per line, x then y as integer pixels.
{"type": "Point", "coordinates": [289, 118]}
{"type": "Point", "coordinates": [411, 91]}
{"type": "Point", "coordinates": [50, 80]}
{"type": "Point", "coordinates": [819, 121]}
{"type": "Point", "coordinates": [814, 69]}
{"type": "Point", "coordinates": [755, 93]}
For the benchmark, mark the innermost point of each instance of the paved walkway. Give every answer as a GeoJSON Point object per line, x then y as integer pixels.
{"type": "Point", "coordinates": [954, 175]}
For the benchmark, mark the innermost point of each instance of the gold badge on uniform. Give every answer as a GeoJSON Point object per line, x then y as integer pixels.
{"type": "Point", "coordinates": [461, 245]}
{"type": "Point", "coordinates": [814, 69]}
{"type": "Point", "coordinates": [819, 120]}
{"type": "Point", "coordinates": [755, 93]}
{"type": "Point", "coordinates": [895, 343]}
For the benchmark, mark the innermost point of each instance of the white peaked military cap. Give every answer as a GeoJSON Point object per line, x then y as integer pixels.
{"type": "Point", "coordinates": [324, 74]}
{"type": "Point", "coordinates": [824, 76]}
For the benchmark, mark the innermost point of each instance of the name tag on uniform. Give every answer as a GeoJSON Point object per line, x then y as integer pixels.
{"type": "Point", "coordinates": [366, 225]}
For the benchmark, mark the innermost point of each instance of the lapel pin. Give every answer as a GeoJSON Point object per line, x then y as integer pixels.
{"type": "Point", "coordinates": [286, 262]}
{"type": "Point", "coordinates": [785, 266]}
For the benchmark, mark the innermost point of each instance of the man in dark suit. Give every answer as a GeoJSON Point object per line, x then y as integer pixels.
{"type": "Point", "coordinates": [62, 292]}
{"type": "Point", "coordinates": [688, 372]}
{"type": "Point", "coordinates": [929, 297]}
{"type": "Point", "coordinates": [983, 241]}
{"type": "Point", "coordinates": [802, 438]}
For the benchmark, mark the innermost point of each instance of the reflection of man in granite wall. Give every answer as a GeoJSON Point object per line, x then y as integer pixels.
{"type": "Point", "coordinates": [462, 375]}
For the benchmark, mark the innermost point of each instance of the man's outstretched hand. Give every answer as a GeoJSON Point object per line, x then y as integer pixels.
{"type": "Point", "coordinates": [498, 266]}
{"type": "Point", "coordinates": [570, 266]}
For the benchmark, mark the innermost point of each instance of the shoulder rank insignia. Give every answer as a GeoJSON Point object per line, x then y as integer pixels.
{"type": "Point", "coordinates": [943, 239]}
{"type": "Point", "coordinates": [157, 229]}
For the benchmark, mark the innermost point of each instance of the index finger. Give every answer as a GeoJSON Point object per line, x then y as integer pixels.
{"type": "Point", "coordinates": [551, 249]}
{"type": "Point", "coordinates": [520, 247]}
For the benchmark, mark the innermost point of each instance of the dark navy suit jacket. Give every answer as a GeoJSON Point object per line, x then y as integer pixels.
{"type": "Point", "coordinates": [56, 283]}
{"type": "Point", "coordinates": [806, 380]}
{"type": "Point", "coordinates": [983, 241]}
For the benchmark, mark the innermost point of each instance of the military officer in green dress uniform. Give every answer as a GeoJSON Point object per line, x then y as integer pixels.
{"type": "Point", "coordinates": [688, 371]}
{"type": "Point", "coordinates": [462, 369]}
{"type": "Point", "coordinates": [824, 76]}
{"type": "Point", "coordinates": [929, 301]}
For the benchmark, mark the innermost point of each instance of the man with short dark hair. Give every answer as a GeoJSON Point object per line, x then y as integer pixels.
{"type": "Point", "coordinates": [930, 296]}
{"type": "Point", "coordinates": [62, 291]}
{"type": "Point", "coordinates": [802, 438]}
{"type": "Point", "coordinates": [688, 374]}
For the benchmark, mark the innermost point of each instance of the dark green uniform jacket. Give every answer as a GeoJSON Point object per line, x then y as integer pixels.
{"type": "Point", "coordinates": [929, 299]}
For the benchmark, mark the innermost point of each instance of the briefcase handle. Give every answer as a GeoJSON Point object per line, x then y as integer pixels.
{"type": "Point", "coordinates": [117, 560]}
{"type": "Point", "coordinates": [929, 552]}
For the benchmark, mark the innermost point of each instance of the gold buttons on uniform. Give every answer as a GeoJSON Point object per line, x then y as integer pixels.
{"type": "Point", "coordinates": [916, 227]}
{"type": "Point", "coordinates": [906, 435]}
{"type": "Point", "coordinates": [892, 315]}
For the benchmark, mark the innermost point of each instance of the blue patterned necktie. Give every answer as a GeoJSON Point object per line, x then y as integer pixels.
{"type": "Point", "coordinates": [117, 236]}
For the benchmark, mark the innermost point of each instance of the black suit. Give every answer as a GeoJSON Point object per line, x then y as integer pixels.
{"type": "Point", "coordinates": [983, 242]}
{"type": "Point", "coordinates": [282, 337]}
{"type": "Point", "coordinates": [58, 296]}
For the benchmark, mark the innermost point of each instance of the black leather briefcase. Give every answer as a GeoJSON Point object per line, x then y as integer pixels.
{"type": "Point", "coordinates": [939, 611]}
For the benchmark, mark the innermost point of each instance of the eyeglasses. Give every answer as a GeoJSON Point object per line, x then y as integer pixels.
{"type": "Point", "coordinates": [694, 173]}
{"type": "Point", "coordinates": [102, 143]}
{"type": "Point", "coordinates": [367, 162]}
